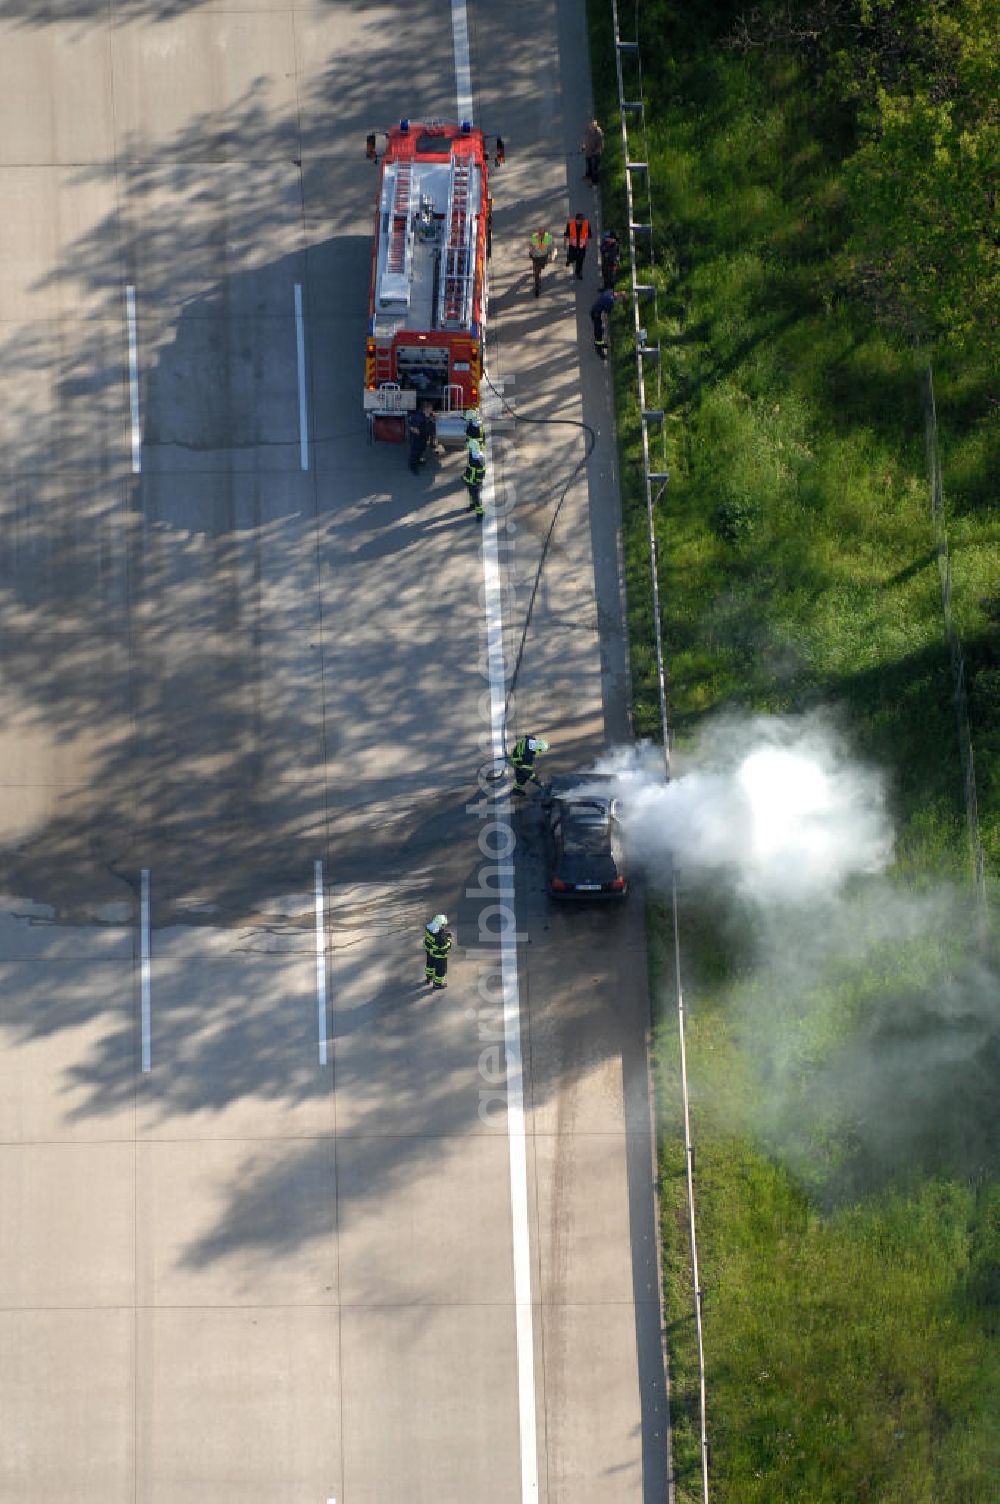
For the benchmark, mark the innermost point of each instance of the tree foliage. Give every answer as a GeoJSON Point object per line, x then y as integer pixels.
{"type": "Point", "coordinates": [923, 77]}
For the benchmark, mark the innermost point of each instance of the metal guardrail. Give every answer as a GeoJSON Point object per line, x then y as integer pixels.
{"type": "Point", "coordinates": [954, 642]}
{"type": "Point", "coordinates": [656, 477]}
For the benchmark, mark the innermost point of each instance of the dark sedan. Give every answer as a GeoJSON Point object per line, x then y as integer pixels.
{"type": "Point", "coordinates": [583, 838]}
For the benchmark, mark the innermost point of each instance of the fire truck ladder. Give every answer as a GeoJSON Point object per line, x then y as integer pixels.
{"type": "Point", "coordinates": [396, 258]}
{"type": "Point", "coordinates": [394, 284]}
{"type": "Point", "coordinates": [456, 280]}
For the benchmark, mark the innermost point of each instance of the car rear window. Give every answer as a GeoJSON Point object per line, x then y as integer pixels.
{"type": "Point", "coordinates": [585, 835]}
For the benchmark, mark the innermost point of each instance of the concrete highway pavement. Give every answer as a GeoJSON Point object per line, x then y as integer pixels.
{"type": "Point", "coordinates": [280, 1264]}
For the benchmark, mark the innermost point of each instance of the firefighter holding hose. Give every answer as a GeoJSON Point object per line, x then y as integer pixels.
{"type": "Point", "coordinates": [523, 761]}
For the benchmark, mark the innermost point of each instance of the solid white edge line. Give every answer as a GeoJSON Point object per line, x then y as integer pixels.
{"type": "Point", "coordinates": [517, 1143]}
{"type": "Point", "coordinates": [516, 1136]}
{"type": "Point", "coordinates": [320, 961]}
{"type": "Point", "coordinates": [144, 969]}
{"type": "Point", "coordinates": [133, 379]}
{"type": "Point", "coordinates": [463, 68]}
{"type": "Point", "coordinates": [300, 355]}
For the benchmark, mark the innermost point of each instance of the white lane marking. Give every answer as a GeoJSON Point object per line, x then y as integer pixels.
{"type": "Point", "coordinates": [463, 70]}
{"type": "Point", "coordinates": [320, 961]}
{"type": "Point", "coordinates": [511, 1032]}
{"type": "Point", "coordinates": [300, 352]}
{"type": "Point", "coordinates": [133, 379]}
{"type": "Point", "coordinates": [144, 968]}
{"type": "Point", "coordinates": [517, 1143]}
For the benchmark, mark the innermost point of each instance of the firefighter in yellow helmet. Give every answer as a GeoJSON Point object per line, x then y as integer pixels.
{"type": "Point", "coordinates": [523, 761]}
{"type": "Point", "coordinates": [437, 944]}
{"type": "Point", "coordinates": [475, 474]}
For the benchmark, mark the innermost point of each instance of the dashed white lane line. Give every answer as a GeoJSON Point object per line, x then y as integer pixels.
{"type": "Point", "coordinates": [320, 961]}
{"type": "Point", "coordinates": [133, 379]}
{"type": "Point", "coordinates": [144, 969]}
{"type": "Point", "coordinates": [524, 1321]}
{"type": "Point", "coordinates": [463, 70]}
{"type": "Point", "coordinates": [300, 353]}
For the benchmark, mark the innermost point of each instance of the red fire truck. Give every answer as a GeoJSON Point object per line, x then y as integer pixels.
{"type": "Point", "coordinates": [427, 304]}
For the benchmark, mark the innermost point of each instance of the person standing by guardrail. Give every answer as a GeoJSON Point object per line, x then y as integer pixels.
{"type": "Point", "coordinates": [592, 147]}
{"type": "Point", "coordinates": [577, 237]}
{"type": "Point", "coordinates": [609, 249]}
{"type": "Point", "coordinates": [600, 316]}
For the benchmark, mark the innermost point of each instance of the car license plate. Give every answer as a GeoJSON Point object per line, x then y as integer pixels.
{"type": "Point", "coordinates": [588, 887]}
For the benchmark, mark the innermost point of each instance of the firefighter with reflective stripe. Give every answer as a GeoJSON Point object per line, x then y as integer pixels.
{"type": "Point", "coordinates": [523, 761]}
{"type": "Point", "coordinates": [540, 249]}
{"type": "Point", "coordinates": [576, 236]}
{"type": "Point", "coordinates": [475, 474]}
{"type": "Point", "coordinates": [437, 944]}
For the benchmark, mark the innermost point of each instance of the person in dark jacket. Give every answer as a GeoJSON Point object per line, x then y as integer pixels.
{"type": "Point", "coordinates": [592, 147]}
{"type": "Point", "coordinates": [523, 761]}
{"type": "Point", "coordinates": [610, 252]}
{"type": "Point", "coordinates": [421, 429]}
{"type": "Point", "coordinates": [600, 313]}
{"type": "Point", "coordinates": [437, 943]}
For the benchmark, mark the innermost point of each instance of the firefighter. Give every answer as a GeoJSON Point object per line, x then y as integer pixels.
{"type": "Point", "coordinates": [592, 147]}
{"type": "Point", "coordinates": [600, 314]}
{"type": "Point", "coordinates": [576, 236]}
{"type": "Point", "coordinates": [609, 249]}
{"type": "Point", "coordinates": [475, 474]}
{"type": "Point", "coordinates": [523, 761]}
{"type": "Point", "coordinates": [540, 249]}
{"type": "Point", "coordinates": [422, 430]}
{"type": "Point", "coordinates": [437, 944]}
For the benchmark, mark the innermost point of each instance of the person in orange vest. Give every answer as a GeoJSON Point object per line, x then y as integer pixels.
{"type": "Point", "coordinates": [576, 236]}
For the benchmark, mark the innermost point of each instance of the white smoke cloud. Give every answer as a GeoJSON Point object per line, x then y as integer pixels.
{"type": "Point", "coordinates": [860, 1017]}
{"type": "Point", "coordinates": [777, 807]}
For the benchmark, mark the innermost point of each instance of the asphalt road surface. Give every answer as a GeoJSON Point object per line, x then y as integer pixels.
{"type": "Point", "coordinates": [276, 1224]}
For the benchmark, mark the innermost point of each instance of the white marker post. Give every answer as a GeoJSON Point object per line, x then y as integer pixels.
{"type": "Point", "coordinates": [133, 379]}
{"type": "Point", "coordinates": [300, 352]}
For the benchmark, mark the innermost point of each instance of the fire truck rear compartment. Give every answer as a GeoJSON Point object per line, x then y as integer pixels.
{"type": "Point", "coordinates": [424, 368]}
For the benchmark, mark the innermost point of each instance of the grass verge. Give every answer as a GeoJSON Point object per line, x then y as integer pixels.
{"type": "Point", "coordinates": [848, 1206]}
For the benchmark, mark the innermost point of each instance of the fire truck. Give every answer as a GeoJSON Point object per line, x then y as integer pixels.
{"type": "Point", "coordinates": [427, 303]}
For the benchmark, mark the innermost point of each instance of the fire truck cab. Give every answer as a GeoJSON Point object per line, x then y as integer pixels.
{"type": "Point", "coordinates": [427, 303]}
